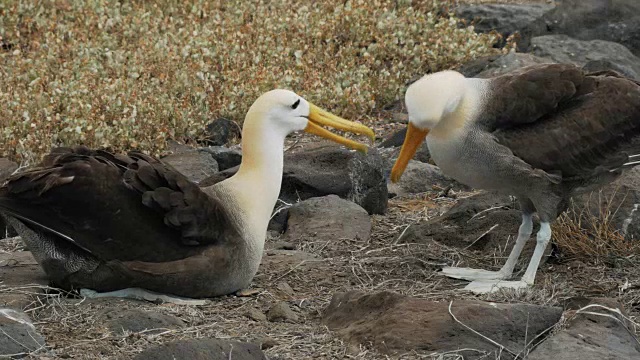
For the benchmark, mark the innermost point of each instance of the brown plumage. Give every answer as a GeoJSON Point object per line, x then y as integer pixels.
{"type": "Point", "coordinates": [567, 122]}
{"type": "Point", "coordinates": [121, 213]}
{"type": "Point", "coordinates": [543, 133]}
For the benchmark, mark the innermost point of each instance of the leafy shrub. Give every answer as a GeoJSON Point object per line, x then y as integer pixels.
{"type": "Point", "coordinates": [132, 74]}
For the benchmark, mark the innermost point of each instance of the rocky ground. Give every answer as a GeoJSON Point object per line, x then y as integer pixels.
{"type": "Point", "coordinates": [351, 264]}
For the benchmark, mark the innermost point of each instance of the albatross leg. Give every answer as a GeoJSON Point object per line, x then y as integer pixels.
{"type": "Point", "coordinates": [142, 294]}
{"type": "Point", "coordinates": [543, 238]}
{"type": "Point", "coordinates": [524, 232]}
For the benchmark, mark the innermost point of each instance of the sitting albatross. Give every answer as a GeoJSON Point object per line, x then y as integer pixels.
{"type": "Point", "coordinates": [543, 133]}
{"type": "Point", "coordinates": [114, 223]}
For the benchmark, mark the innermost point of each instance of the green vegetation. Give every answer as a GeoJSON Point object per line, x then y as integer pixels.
{"type": "Point", "coordinates": [132, 74]}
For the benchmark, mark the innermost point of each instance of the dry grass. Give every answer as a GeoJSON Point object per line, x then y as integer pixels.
{"type": "Point", "coordinates": [581, 234]}
{"type": "Point", "coordinates": [108, 73]}
{"type": "Point", "coordinates": [73, 327]}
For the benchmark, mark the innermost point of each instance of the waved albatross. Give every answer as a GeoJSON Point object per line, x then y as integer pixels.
{"type": "Point", "coordinates": [124, 223]}
{"type": "Point", "coordinates": [543, 133]}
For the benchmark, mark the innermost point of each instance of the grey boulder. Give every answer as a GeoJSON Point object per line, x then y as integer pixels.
{"type": "Point", "coordinates": [596, 54]}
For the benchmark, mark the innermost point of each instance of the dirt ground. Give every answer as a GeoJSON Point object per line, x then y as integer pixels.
{"type": "Point", "coordinates": [74, 329]}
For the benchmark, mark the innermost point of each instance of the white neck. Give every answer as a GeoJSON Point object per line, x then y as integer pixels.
{"type": "Point", "coordinates": [256, 185]}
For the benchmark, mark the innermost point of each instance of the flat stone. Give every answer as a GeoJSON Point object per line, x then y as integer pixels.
{"type": "Point", "coordinates": [196, 165]}
{"type": "Point", "coordinates": [393, 323]}
{"type": "Point", "coordinates": [281, 312]}
{"type": "Point", "coordinates": [136, 320]}
{"type": "Point", "coordinates": [203, 349]}
{"type": "Point", "coordinates": [17, 334]}
{"type": "Point", "coordinates": [590, 337]}
{"type": "Point", "coordinates": [327, 218]}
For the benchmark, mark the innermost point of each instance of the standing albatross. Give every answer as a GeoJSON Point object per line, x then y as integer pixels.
{"type": "Point", "coordinates": [120, 224]}
{"type": "Point", "coordinates": [543, 133]}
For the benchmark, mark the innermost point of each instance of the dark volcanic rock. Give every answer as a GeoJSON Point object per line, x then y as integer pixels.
{"type": "Point", "coordinates": [225, 157]}
{"type": "Point", "coordinates": [326, 170]}
{"type": "Point", "coordinates": [395, 323]}
{"type": "Point", "coordinates": [611, 20]}
{"type": "Point", "coordinates": [361, 179]}
{"type": "Point", "coordinates": [17, 334]}
{"type": "Point", "coordinates": [564, 49]}
{"type": "Point", "coordinates": [7, 167]}
{"type": "Point", "coordinates": [590, 337]}
{"type": "Point", "coordinates": [221, 132]}
{"type": "Point", "coordinates": [203, 349]}
{"type": "Point", "coordinates": [396, 140]}
{"type": "Point", "coordinates": [490, 66]}
{"type": "Point", "coordinates": [506, 19]}
{"type": "Point", "coordinates": [327, 218]}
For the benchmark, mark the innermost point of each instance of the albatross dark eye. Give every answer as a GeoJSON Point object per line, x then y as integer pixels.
{"type": "Point", "coordinates": [295, 104]}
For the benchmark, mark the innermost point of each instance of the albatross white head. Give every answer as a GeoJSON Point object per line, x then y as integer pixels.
{"type": "Point", "coordinates": [432, 102]}
{"type": "Point", "coordinates": [274, 115]}
{"type": "Point", "coordinates": [277, 113]}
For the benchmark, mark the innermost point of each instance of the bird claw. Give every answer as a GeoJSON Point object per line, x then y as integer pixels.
{"type": "Point", "coordinates": [489, 286]}
{"type": "Point", "coordinates": [472, 274]}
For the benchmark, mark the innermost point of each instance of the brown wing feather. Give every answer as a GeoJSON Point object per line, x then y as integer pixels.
{"type": "Point", "coordinates": [117, 207]}
{"type": "Point", "coordinates": [526, 95]}
{"type": "Point", "coordinates": [585, 135]}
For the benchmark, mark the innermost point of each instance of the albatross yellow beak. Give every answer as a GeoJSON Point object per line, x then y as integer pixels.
{"type": "Point", "coordinates": [319, 117]}
{"type": "Point", "coordinates": [415, 136]}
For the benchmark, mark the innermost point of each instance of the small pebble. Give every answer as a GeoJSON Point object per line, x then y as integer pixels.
{"type": "Point", "coordinates": [267, 343]}
{"type": "Point", "coordinates": [281, 312]}
{"type": "Point", "coordinates": [284, 289]}
{"type": "Point", "coordinates": [255, 314]}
